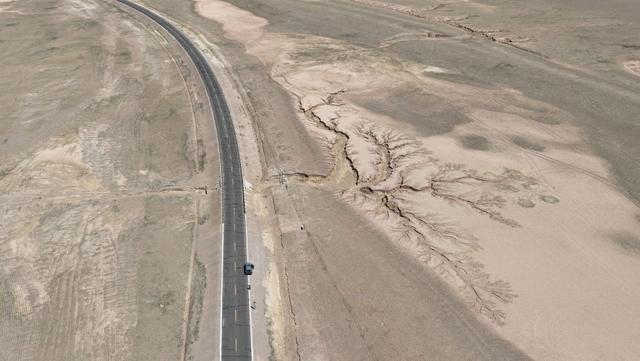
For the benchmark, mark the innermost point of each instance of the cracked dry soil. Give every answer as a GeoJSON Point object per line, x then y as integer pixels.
{"type": "Point", "coordinates": [442, 153]}
{"type": "Point", "coordinates": [424, 174]}
{"type": "Point", "coordinates": [397, 181]}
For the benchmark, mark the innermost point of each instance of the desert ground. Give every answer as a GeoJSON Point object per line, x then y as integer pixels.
{"type": "Point", "coordinates": [425, 180]}
{"type": "Point", "coordinates": [103, 223]}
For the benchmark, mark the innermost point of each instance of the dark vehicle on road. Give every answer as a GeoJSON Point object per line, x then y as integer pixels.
{"type": "Point", "coordinates": [248, 269]}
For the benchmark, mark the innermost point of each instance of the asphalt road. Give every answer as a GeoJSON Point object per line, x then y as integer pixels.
{"type": "Point", "coordinates": [235, 318]}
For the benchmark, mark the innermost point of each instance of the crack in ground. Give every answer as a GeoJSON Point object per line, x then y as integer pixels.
{"type": "Point", "coordinates": [293, 313]}
{"type": "Point", "coordinates": [318, 121]}
{"type": "Point", "coordinates": [420, 13]}
{"type": "Point", "coordinates": [481, 293]}
{"type": "Point", "coordinates": [401, 169]}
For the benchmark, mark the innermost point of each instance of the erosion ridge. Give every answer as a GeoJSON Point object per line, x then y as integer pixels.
{"type": "Point", "coordinates": [440, 244]}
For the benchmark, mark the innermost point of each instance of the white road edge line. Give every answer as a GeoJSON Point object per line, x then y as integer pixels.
{"type": "Point", "coordinates": [221, 284]}
{"type": "Point", "coordinates": [246, 245]}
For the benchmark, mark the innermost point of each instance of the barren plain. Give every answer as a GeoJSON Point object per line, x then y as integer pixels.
{"type": "Point", "coordinates": [499, 165]}
{"type": "Point", "coordinates": [426, 180]}
{"type": "Point", "coordinates": [103, 214]}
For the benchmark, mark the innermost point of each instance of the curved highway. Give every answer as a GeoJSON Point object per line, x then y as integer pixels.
{"type": "Point", "coordinates": [235, 333]}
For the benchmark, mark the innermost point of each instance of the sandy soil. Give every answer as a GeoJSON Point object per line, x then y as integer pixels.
{"type": "Point", "coordinates": [458, 181]}
{"type": "Point", "coordinates": [107, 238]}
{"type": "Point", "coordinates": [585, 33]}
{"type": "Point", "coordinates": [632, 66]}
{"type": "Point", "coordinates": [498, 192]}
